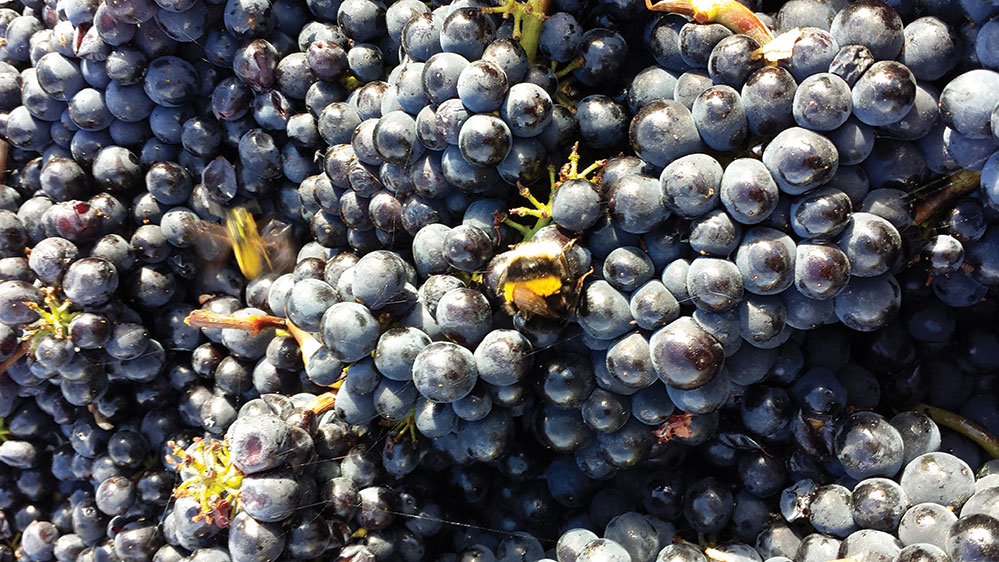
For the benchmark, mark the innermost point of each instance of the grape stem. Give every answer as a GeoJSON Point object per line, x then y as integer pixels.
{"type": "Point", "coordinates": [730, 13]}
{"type": "Point", "coordinates": [327, 400]}
{"type": "Point", "coordinates": [100, 419]}
{"type": "Point", "coordinates": [962, 425]}
{"type": "Point", "coordinates": [5, 433]}
{"type": "Point", "coordinates": [543, 211]}
{"type": "Point", "coordinates": [528, 21]}
{"type": "Point", "coordinates": [350, 82]}
{"type": "Point", "coordinates": [202, 318]}
{"type": "Point", "coordinates": [209, 477]}
{"type": "Point", "coordinates": [4, 152]}
{"type": "Point", "coordinates": [739, 19]}
{"type": "Point", "coordinates": [18, 353]}
{"type": "Point", "coordinates": [958, 184]}
{"type": "Point", "coordinates": [406, 427]}
{"type": "Point", "coordinates": [574, 64]}
{"type": "Point", "coordinates": [307, 343]}
{"type": "Point", "coordinates": [54, 319]}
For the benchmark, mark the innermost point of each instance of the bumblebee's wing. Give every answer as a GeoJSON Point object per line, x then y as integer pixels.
{"type": "Point", "coordinates": [528, 302]}
{"type": "Point", "coordinates": [212, 244]}
{"type": "Point", "coordinates": [279, 243]}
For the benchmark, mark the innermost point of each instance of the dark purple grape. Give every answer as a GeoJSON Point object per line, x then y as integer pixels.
{"type": "Point", "coordinates": [867, 445]}
{"type": "Point", "coordinates": [648, 136]}
{"type": "Point", "coordinates": [685, 355]}
{"type": "Point", "coordinates": [871, 23]}
{"type": "Point", "coordinates": [708, 505]}
{"type": "Point", "coordinates": [800, 160]}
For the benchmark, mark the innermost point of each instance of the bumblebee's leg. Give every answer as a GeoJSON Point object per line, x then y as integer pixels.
{"type": "Point", "coordinates": [579, 284]}
{"type": "Point", "coordinates": [564, 259]}
{"type": "Point", "coordinates": [577, 294]}
{"type": "Point", "coordinates": [509, 308]}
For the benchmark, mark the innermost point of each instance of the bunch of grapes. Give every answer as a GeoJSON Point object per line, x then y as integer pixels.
{"type": "Point", "coordinates": [573, 280]}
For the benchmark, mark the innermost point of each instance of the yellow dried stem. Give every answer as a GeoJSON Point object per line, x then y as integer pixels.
{"type": "Point", "coordinates": [210, 478]}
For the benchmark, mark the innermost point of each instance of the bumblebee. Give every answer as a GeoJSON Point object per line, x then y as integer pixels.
{"type": "Point", "coordinates": [247, 244]}
{"type": "Point", "coordinates": [541, 278]}
{"type": "Point", "coordinates": [257, 251]}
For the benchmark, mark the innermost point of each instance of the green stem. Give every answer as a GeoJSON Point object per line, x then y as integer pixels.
{"type": "Point", "coordinates": [575, 64]}
{"type": "Point", "coordinates": [406, 427]}
{"type": "Point", "coordinates": [592, 168]}
{"type": "Point", "coordinates": [534, 22]}
{"type": "Point", "coordinates": [962, 425]}
{"type": "Point", "coordinates": [528, 21]}
{"type": "Point", "coordinates": [543, 211]}
{"type": "Point", "coordinates": [55, 316]}
{"type": "Point", "coordinates": [351, 82]}
{"type": "Point", "coordinates": [562, 98]}
{"type": "Point", "coordinates": [526, 194]}
{"type": "Point", "coordinates": [541, 223]}
{"type": "Point", "coordinates": [523, 230]}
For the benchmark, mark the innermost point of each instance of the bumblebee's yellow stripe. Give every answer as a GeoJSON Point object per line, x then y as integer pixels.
{"type": "Point", "coordinates": [249, 261]}
{"type": "Point", "coordinates": [543, 286]}
{"type": "Point", "coordinates": [246, 242]}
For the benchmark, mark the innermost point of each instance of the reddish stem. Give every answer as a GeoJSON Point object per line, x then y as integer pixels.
{"type": "Point", "coordinates": [959, 184]}
{"type": "Point", "coordinates": [18, 353]}
{"type": "Point", "coordinates": [202, 318]}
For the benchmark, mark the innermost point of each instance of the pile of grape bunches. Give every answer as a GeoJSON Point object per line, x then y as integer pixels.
{"type": "Point", "coordinates": [499, 280]}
